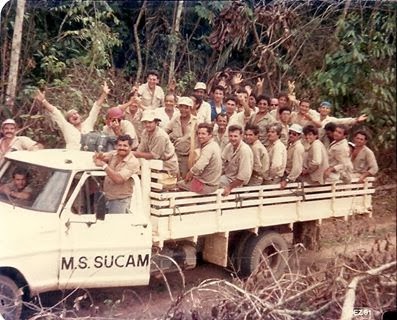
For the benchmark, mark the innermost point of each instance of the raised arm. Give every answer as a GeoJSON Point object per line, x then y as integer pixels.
{"type": "Point", "coordinates": [40, 97]}
{"type": "Point", "coordinates": [104, 94]}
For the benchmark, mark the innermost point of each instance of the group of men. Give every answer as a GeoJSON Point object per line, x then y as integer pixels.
{"type": "Point", "coordinates": [227, 142]}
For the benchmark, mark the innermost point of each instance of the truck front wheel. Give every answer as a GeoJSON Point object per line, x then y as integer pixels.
{"type": "Point", "coordinates": [10, 299]}
{"type": "Point", "coordinates": [267, 249]}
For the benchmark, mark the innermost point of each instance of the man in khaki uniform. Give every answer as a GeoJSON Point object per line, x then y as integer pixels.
{"type": "Point", "coordinates": [156, 144]}
{"type": "Point", "coordinates": [220, 131]}
{"type": "Point", "coordinates": [277, 154]}
{"type": "Point", "coordinates": [119, 165]}
{"type": "Point", "coordinates": [284, 118]}
{"type": "Point", "coordinates": [340, 165]}
{"type": "Point", "coordinates": [306, 116]}
{"type": "Point", "coordinates": [204, 176]}
{"type": "Point", "coordinates": [295, 154]}
{"type": "Point", "coordinates": [261, 156]}
{"type": "Point", "coordinates": [181, 130]}
{"type": "Point", "coordinates": [316, 159]}
{"type": "Point", "coordinates": [151, 94]}
{"type": "Point", "coordinates": [364, 161]}
{"type": "Point", "coordinates": [237, 161]}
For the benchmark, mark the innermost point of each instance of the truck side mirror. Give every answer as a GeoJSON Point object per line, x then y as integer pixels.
{"type": "Point", "coordinates": [100, 205]}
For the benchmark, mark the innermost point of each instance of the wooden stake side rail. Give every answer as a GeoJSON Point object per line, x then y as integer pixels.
{"type": "Point", "coordinates": [182, 214]}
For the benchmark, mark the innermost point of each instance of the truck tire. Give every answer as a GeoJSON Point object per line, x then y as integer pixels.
{"type": "Point", "coordinates": [268, 245]}
{"type": "Point", "coordinates": [10, 299]}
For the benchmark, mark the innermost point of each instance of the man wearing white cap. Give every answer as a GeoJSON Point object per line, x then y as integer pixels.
{"type": "Point", "coordinates": [71, 125]}
{"type": "Point", "coordinates": [11, 142]}
{"type": "Point", "coordinates": [181, 130]}
{"type": "Point", "coordinates": [156, 144]}
{"type": "Point", "coordinates": [295, 154]}
{"type": "Point", "coordinates": [204, 108]}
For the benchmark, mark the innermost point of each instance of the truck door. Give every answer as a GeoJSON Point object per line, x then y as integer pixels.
{"type": "Point", "coordinates": [115, 251]}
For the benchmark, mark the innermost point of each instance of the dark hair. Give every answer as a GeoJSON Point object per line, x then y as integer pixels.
{"type": "Point", "coordinates": [310, 129]}
{"type": "Point", "coordinates": [153, 73]}
{"type": "Point", "coordinates": [283, 94]}
{"type": "Point", "coordinates": [198, 98]}
{"type": "Point", "coordinates": [254, 96]}
{"type": "Point", "coordinates": [344, 128]}
{"type": "Point", "coordinates": [330, 126]}
{"type": "Point", "coordinates": [235, 127]}
{"type": "Point", "coordinates": [254, 128]}
{"type": "Point", "coordinates": [222, 114]}
{"type": "Point", "coordinates": [207, 126]}
{"type": "Point", "coordinates": [277, 127]}
{"type": "Point", "coordinates": [362, 132]}
{"type": "Point", "coordinates": [304, 100]}
{"type": "Point", "coordinates": [281, 110]}
{"type": "Point", "coordinates": [170, 94]}
{"type": "Point", "coordinates": [263, 97]}
{"type": "Point", "coordinates": [241, 90]}
{"type": "Point", "coordinates": [20, 171]}
{"type": "Point", "coordinates": [230, 98]}
{"type": "Point", "coordinates": [218, 87]}
{"type": "Point", "coordinates": [125, 137]}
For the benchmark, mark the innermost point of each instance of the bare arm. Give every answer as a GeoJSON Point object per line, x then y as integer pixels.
{"type": "Point", "coordinates": [40, 96]}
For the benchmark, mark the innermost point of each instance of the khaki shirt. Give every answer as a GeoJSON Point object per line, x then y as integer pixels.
{"type": "Point", "coordinates": [136, 121]}
{"type": "Point", "coordinates": [365, 161]}
{"type": "Point", "coordinates": [284, 136]}
{"type": "Point", "coordinates": [328, 119]}
{"type": "Point", "coordinates": [180, 139]}
{"type": "Point", "coordinates": [204, 113]}
{"type": "Point", "coordinates": [261, 159]}
{"type": "Point", "coordinates": [262, 123]}
{"type": "Point", "coordinates": [298, 118]}
{"type": "Point", "coordinates": [18, 143]}
{"type": "Point", "coordinates": [126, 128]}
{"type": "Point", "coordinates": [316, 161]}
{"type": "Point", "coordinates": [151, 100]}
{"type": "Point", "coordinates": [295, 154]}
{"type": "Point", "coordinates": [161, 147]}
{"type": "Point", "coordinates": [221, 139]}
{"type": "Point", "coordinates": [278, 160]}
{"type": "Point", "coordinates": [208, 167]}
{"type": "Point", "coordinates": [238, 164]}
{"type": "Point", "coordinates": [339, 158]}
{"type": "Point", "coordinates": [126, 168]}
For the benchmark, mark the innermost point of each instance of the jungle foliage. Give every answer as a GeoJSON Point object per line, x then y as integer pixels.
{"type": "Point", "coordinates": [342, 51]}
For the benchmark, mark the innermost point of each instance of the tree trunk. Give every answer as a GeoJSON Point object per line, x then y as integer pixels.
{"type": "Point", "coordinates": [137, 43]}
{"type": "Point", "coordinates": [15, 54]}
{"type": "Point", "coordinates": [175, 38]}
{"type": "Point", "coordinates": [307, 233]}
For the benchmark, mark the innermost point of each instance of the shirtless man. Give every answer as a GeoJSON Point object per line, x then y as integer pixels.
{"type": "Point", "coordinates": [18, 190]}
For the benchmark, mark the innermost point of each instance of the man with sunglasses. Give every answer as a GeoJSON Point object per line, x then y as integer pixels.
{"type": "Point", "coordinates": [295, 153]}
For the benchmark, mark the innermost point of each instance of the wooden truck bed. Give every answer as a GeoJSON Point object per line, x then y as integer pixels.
{"type": "Point", "coordinates": [177, 215]}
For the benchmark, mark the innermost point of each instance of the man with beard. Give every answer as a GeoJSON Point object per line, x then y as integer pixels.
{"type": "Point", "coordinates": [119, 165]}
{"type": "Point", "coordinates": [72, 125]}
{"type": "Point", "coordinates": [204, 176]}
{"type": "Point", "coordinates": [11, 142]}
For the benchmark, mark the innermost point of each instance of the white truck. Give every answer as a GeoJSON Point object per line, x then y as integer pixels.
{"type": "Point", "coordinates": [62, 238]}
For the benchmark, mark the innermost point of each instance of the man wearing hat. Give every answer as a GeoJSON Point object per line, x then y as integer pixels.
{"type": "Point", "coordinates": [204, 108]}
{"type": "Point", "coordinates": [295, 153]}
{"type": "Point", "coordinates": [181, 130]}
{"type": "Point", "coordinates": [11, 142]}
{"type": "Point", "coordinates": [325, 111]}
{"type": "Point", "coordinates": [117, 126]}
{"type": "Point", "coordinates": [71, 125]}
{"type": "Point", "coordinates": [156, 144]}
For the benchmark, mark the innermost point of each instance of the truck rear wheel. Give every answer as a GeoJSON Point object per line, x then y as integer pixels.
{"type": "Point", "coordinates": [10, 299]}
{"type": "Point", "coordinates": [267, 249]}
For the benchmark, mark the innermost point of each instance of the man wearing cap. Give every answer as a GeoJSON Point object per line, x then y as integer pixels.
{"type": "Point", "coordinates": [151, 94]}
{"type": "Point", "coordinates": [156, 144]}
{"type": "Point", "coordinates": [204, 175]}
{"type": "Point", "coordinates": [72, 125]}
{"type": "Point", "coordinates": [116, 126]}
{"type": "Point", "coordinates": [204, 108]}
{"type": "Point", "coordinates": [119, 165]}
{"type": "Point", "coordinates": [295, 153]}
{"type": "Point", "coordinates": [237, 160]}
{"type": "Point", "coordinates": [181, 130]}
{"type": "Point", "coordinates": [363, 158]}
{"type": "Point", "coordinates": [325, 111]}
{"type": "Point", "coordinates": [11, 142]}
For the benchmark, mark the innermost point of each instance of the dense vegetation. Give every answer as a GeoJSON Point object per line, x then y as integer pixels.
{"type": "Point", "coordinates": [342, 51]}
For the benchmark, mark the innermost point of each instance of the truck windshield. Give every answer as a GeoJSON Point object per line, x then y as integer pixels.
{"type": "Point", "coordinates": [31, 186]}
